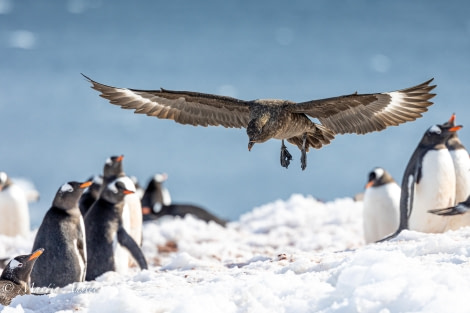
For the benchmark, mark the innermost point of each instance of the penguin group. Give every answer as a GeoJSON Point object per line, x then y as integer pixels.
{"type": "Point", "coordinates": [92, 227]}
{"type": "Point", "coordinates": [434, 192]}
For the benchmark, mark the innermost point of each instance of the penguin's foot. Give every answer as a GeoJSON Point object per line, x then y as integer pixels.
{"type": "Point", "coordinates": [303, 160]}
{"type": "Point", "coordinates": [286, 157]}
{"type": "Point", "coordinates": [303, 157]}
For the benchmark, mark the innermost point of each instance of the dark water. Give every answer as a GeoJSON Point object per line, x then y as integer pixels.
{"type": "Point", "coordinates": [55, 128]}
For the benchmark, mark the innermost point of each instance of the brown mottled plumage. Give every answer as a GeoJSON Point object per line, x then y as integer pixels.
{"type": "Point", "coordinates": [14, 280]}
{"type": "Point", "coordinates": [279, 119]}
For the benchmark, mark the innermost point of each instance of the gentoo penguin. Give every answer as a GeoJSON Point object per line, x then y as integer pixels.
{"type": "Point", "coordinates": [15, 277]}
{"type": "Point", "coordinates": [428, 183]}
{"type": "Point", "coordinates": [155, 194]}
{"type": "Point", "coordinates": [62, 234]}
{"type": "Point", "coordinates": [461, 161]}
{"type": "Point", "coordinates": [156, 202]}
{"type": "Point", "coordinates": [105, 234]}
{"type": "Point", "coordinates": [14, 210]}
{"type": "Point", "coordinates": [381, 205]}
{"type": "Point", "coordinates": [459, 209]}
{"type": "Point", "coordinates": [91, 194]}
{"type": "Point", "coordinates": [132, 212]}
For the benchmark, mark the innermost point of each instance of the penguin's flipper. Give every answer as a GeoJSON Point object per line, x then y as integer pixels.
{"type": "Point", "coordinates": [411, 177]}
{"type": "Point", "coordinates": [455, 210]}
{"type": "Point", "coordinates": [127, 241]}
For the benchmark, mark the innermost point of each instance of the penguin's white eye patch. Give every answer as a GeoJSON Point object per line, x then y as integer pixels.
{"type": "Point", "coordinates": [435, 129]}
{"type": "Point", "coordinates": [379, 172]}
{"type": "Point", "coordinates": [109, 161]}
{"type": "Point", "coordinates": [66, 188]}
{"type": "Point", "coordinates": [98, 179]}
{"type": "Point", "coordinates": [14, 264]}
{"type": "Point", "coordinates": [3, 177]}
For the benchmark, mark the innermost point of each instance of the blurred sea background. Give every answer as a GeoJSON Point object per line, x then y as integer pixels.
{"type": "Point", "coordinates": [54, 128]}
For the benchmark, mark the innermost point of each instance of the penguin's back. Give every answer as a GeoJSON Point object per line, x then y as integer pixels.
{"type": "Point", "coordinates": [61, 263]}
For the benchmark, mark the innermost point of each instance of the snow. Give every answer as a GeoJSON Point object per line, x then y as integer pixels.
{"type": "Point", "coordinates": [294, 255]}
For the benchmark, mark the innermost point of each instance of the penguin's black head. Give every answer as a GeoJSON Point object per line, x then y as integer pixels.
{"type": "Point", "coordinates": [438, 134]}
{"type": "Point", "coordinates": [19, 269]}
{"type": "Point", "coordinates": [68, 194]}
{"type": "Point", "coordinates": [118, 189]}
{"type": "Point", "coordinates": [96, 183]}
{"type": "Point", "coordinates": [378, 177]}
{"type": "Point", "coordinates": [113, 166]}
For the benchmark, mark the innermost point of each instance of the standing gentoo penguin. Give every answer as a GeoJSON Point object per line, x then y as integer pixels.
{"type": "Point", "coordinates": [428, 182]}
{"type": "Point", "coordinates": [91, 194]}
{"type": "Point", "coordinates": [14, 211]}
{"type": "Point", "coordinates": [381, 206]}
{"type": "Point", "coordinates": [132, 212]}
{"type": "Point", "coordinates": [156, 203]}
{"type": "Point", "coordinates": [15, 277]}
{"type": "Point", "coordinates": [461, 161]}
{"type": "Point", "coordinates": [62, 234]}
{"type": "Point", "coordinates": [105, 234]}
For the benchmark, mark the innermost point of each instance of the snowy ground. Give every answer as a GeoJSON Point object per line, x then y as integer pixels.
{"type": "Point", "coordinates": [297, 255]}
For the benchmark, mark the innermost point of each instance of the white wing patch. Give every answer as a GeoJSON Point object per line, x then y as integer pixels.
{"type": "Point", "coordinates": [144, 103]}
{"type": "Point", "coordinates": [396, 100]}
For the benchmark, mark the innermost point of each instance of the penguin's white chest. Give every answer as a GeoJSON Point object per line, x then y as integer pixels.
{"type": "Point", "coordinates": [435, 190]}
{"type": "Point", "coordinates": [462, 187]}
{"type": "Point", "coordinates": [14, 212]}
{"type": "Point", "coordinates": [381, 211]}
{"type": "Point", "coordinates": [121, 257]}
{"type": "Point", "coordinates": [81, 261]}
{"type": "Point", "coordinates": [461, 162]}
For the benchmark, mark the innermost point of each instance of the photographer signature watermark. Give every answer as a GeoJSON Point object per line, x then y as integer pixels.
{"type": "Point", "coordinates": [76, 288]}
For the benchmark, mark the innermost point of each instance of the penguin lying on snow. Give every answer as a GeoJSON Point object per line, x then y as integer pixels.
{"type": "Point", "coordinates": [132, 211]}
{"type": "Point", "coordinates": [381, 205]}
{"type": "Point", "coordinates": [428, 182]}
{"type": "Point", "coordinates": [14, 204]}
{"type": "Point", "coordinates": [62, 234]}
{"type": "Point", "coordinates": [156, 203]}
{"type": "Point", "coordinates": [105, 234]}
{"type": "Point", "coordinates": [14, 280]}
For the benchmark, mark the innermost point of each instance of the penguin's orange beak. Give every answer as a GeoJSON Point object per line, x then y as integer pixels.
{"type": "Point", "coordinates": [36, 254]}
{"type": "Point", "coordinates": [120, 158]}
{"type": "Point", "coordinates": [452, 118]}
{"type": "Point", "coordinates": [455, 128]}
{"type": "Point", "coordinates": [85, 184]}
{"type": "Point", "coordinates": [369, 184]}
{"type": "Point", "coordinates": [127, 192]}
